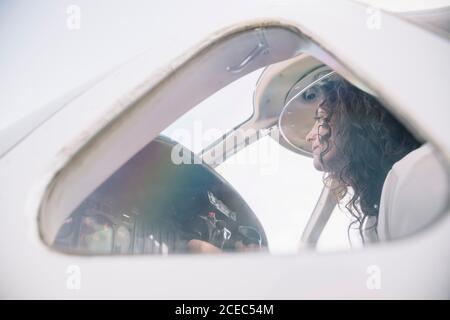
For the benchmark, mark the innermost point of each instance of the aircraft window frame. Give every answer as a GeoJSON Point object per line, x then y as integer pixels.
{"type": "Point", "coordinates": [68, 171]}
{"type": "Point", "coordinates": [276, 35]}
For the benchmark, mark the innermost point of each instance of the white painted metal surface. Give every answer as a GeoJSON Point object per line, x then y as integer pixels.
{"type": "Point", "coordinates": [416, 267]}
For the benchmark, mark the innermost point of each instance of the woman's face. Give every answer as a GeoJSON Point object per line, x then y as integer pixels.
{"type": "Point", "coordinates": [315, 136]}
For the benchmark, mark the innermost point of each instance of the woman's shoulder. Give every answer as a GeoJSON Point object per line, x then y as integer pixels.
{"type": "Point", "coordinates": [424, 153]}
{"type": "Point", "coordinates": [414, 193]}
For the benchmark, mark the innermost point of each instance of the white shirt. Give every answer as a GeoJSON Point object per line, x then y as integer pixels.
{"type": "Point", "coordinates": [415, 193]}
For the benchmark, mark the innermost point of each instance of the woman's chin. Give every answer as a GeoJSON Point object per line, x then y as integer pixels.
{"type": "Point", "coordinates": [317, 164]}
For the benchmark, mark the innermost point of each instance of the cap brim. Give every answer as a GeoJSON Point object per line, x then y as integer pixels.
{"type": "Point", "coordinates": [272, 89]}
{"type": "Point", "coordinates": [271, 92]}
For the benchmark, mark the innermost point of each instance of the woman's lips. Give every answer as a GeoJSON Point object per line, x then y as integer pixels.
{"type": "Point", "coordinates": [317, 150]}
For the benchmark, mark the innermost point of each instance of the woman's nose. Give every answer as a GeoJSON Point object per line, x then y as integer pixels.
{"type": "Point", "coordinates": [310, 136]}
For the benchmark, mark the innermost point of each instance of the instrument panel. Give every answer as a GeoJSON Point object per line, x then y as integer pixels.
{"type": "Point", "coordinates": [153, 206]}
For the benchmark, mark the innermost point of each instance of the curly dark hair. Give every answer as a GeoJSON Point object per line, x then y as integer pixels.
{"type": "Point", "coordinates": [367, 139]}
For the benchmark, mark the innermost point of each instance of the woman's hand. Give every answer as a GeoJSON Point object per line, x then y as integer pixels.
{"type": "Point", "coordinates": [199, 246]}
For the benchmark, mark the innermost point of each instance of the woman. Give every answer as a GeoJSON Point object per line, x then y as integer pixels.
{"type": "Point", "coordinates": [355, 141]}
